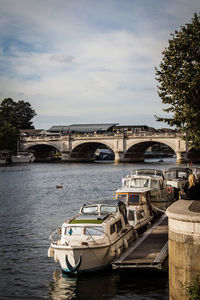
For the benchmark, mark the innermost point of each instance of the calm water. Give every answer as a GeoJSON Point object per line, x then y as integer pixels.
{"type": "Point", "coordinates": [31, 206]}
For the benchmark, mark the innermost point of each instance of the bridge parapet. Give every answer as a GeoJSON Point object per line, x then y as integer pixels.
{"type": "Point", "coordinates": [127, 147]}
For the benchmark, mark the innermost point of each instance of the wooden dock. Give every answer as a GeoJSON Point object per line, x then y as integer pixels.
{"type": "Point", "coordinates": [149, 251]}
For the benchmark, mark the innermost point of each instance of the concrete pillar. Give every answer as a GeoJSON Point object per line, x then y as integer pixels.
{"type": "Point", "coordinates": [66, 155]}
{"type": "Point", "coordinates": [119, 156]}
{"type": "Point", "coordinates": [184, 246]}
{"type": "Point", "coordinates": [181, 157]}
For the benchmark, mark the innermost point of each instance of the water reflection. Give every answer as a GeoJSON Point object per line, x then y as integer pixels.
{"type": "Point", "coordinates": [109, 284]}
{"type": "Point", "coordinates": [63, 286]}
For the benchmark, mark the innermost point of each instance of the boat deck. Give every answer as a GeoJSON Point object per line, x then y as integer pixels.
{"type": "Point", "coordinates": [149, 251]}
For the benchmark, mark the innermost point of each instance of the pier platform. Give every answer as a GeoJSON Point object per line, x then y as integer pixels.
{"type": "Point", "coordinates": [149, 251]}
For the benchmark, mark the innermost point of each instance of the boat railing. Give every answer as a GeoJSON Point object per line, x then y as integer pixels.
{"type": "Point", "coordinates": [55, 235]}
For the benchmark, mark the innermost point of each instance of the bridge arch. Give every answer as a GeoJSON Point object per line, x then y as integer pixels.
{"type": "Point", "coordinates": [136, 152]}
{"type": "Point", "coordinates": [86, 151]}
{"type": "Point", "coordinates": [44, 152]}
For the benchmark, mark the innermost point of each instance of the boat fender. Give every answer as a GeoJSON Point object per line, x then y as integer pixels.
{"type": "Point", "coordinates": [118, 252]}
{"type": "Point", "coordinates": [169, 189]}
{"type": "Point", "coordinates": [50, 252]}
{"type": "Point", "coordinates": [112, 252]}
{"type": "Point", "coordinates": [136, 234]}
{"type": "Point", "coordinates": [125, 243]}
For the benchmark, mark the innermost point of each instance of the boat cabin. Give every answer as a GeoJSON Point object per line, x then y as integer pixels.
{"type": "Point", "coordinates": [137, 205]}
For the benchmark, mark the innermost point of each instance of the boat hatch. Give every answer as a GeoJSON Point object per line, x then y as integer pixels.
{"type": "Point", "coordinates": [81, 219]}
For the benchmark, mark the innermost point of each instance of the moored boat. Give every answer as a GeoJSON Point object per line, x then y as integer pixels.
{"type": "Point", "coordinates": [23, 157]}
{"type": "Point", "coordinates": [91, 240]}
{"type": "Point", "coordinates": [177, 176]}
{"type": "Point", "coordinates": [161, 194]}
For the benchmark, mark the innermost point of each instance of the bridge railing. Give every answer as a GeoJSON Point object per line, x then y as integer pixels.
{"type": "Point", "coordinates": [95, 135]}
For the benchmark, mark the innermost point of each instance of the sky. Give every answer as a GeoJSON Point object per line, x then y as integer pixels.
{"type": "Point", "coordinates": [87, 61]}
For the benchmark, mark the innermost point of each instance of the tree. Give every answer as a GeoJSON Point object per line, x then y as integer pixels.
{"type": "Point", "coordinates": [18, 114]}
{"type": "Point", "coordinates": [9, 136]}
{"type": "Point", "coordinates": [179, 81]}
{"type": "Point", "coordinates": [13, 117]}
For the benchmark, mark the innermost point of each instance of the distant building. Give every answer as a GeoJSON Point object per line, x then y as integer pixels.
{"type": "Point", "coordinates": [134, 128]}
{"type": "Point", "coordinates": [84, 128]}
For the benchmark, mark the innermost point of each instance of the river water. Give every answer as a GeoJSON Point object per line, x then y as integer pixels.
{"type": "Point", "coordinates": [31, 206]}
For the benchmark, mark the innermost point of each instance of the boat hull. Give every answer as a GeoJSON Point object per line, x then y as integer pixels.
{"type": "Point", "coordinates": [90, 258]}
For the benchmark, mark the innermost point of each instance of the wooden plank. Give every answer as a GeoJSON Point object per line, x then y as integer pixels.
{"type": "Point", "coordinates": [162, 255]}
{"type": "Point", "coordinates": [140, 240]}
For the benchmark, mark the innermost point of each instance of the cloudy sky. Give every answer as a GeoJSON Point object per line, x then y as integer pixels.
{"type": "Point", "coordinates": [87, 61]}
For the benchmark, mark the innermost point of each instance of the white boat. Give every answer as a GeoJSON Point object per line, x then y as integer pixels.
{"type": "Point", "coordinates": [161, 194]}
{"type": "Point", "coordinates": [23, 157]}
{"type": "Point", "coordinates": [91, 240]}
{"type": "Point", "coordinates": [139, 212]}
{"type": "Point", "coordinates": [5, 157]}
{"type": "Point", "coordinates": [177, 176]}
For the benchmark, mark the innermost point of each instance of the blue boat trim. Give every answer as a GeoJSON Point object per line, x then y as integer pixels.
{"type": "Point", "coordinates": [76, 267]}
{"type": "Point", "coordinates": [88, 270]}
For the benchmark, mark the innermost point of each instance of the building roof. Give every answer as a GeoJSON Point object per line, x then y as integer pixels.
{"type": "Point", "coordinates": [83, 128]}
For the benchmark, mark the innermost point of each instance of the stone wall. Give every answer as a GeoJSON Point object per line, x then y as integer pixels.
{"type": "Point", "coordinates": [184, 246]}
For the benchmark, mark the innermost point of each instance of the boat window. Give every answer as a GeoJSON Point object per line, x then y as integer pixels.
{"type": "Point", "coordinates": [93, 230]}
{"type": "Point", "coordinates": [171, 175]}
{"type": "Point", "coordinates": [131, 215]}
{"type": "Point", "coordinates": [154, 184]}
{"type": "Point", "coordinates": [89, 209]}
{"type": "Point", "coordinates": [118, 225]}
{"type": "Point", "coordinates": [139, 182]}
{"type": "Point", "coordinates": [134, 199]}
{"type": "Point", "coordinates": [122, 197]}
{"type": "Point", "coordinates": [182, 175]}
{"type": "Point", "coordinates": [112, 228]}
{"type": "Point", "coordinates": [140, 214]}
{"type": "Point", "coordinates": [108, 209]}
{"type": "Point", "coordinates": [72, 230]}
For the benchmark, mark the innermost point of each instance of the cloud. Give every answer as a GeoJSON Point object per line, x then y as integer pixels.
{"type": "Point", "coordinates": [62, 58]}
{"type": "Point", "coordinates": [87, 59]}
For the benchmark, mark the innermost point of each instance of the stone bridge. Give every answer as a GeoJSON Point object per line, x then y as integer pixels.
{"type": "Point", "coordinates": [126, 148]}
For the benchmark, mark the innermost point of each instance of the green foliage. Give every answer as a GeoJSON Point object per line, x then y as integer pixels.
{"type": "Point", "coordinates": [9, 136]}
{"type": "Point", "coordinates": [13, 117]}
{"type": "Point", "coordinates": [193, 288]}
{"type": "Point", "coordinates": [179, 81]}
{"type": "Point", "coordinates": [18, 114]}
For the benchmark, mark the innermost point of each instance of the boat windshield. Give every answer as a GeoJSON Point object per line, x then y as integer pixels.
{"type": "Point", "coordinates": [177, 175]}
{"type": "Point", "coordinates": [73, 230]}
{"type": "Point", "coordinates": [93, 230]}
{"type": "Point", "coordinates": [154, 184]}
{"type": "Point", "coordinates": [90, 209]}
{"type": "Point", "coordinates": [139, 182]}
{"type": "Point", "coordinates": [108, 209]}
